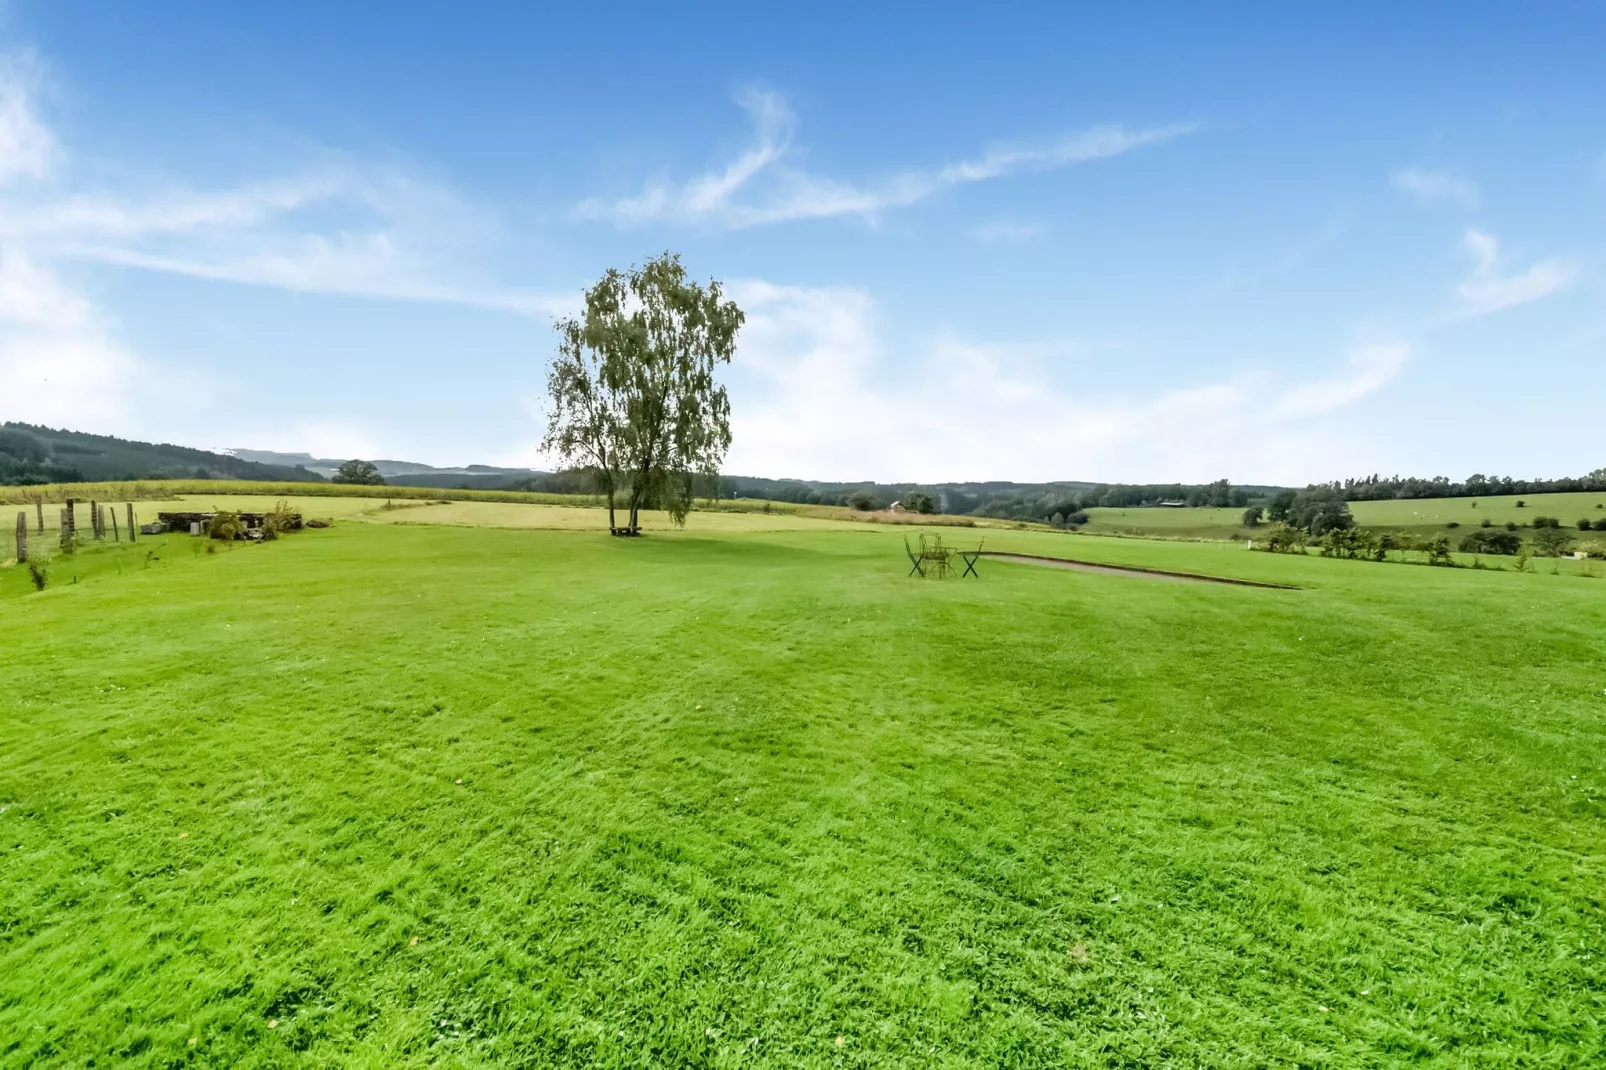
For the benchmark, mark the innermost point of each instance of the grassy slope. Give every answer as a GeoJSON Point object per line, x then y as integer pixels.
{"type": "Point", "coordinates": [1422, 516]}
{"type": "Point", "coordinates": [727, 798]}
{"type": "Point", "coordinates": [1470, 512]}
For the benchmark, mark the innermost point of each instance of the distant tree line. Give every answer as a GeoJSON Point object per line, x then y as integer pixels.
{"type": "Point", "coordinates": [31, 454]}
{"type": "Point", "coordinates": [1063, 503]}
{"type": "Point", "coordinates": [1477, 485]}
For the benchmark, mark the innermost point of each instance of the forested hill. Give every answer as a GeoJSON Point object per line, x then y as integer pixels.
{"type": "Point", "coordinates": [33, 454]}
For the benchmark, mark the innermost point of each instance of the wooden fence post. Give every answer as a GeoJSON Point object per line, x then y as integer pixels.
{"type": "Point", "coordinates": [22, 537]}
{"type": "Point", "coordinates": [117, 536]}
{"type": "Point", "coordinates": [132, 530]}
{"type": "Point", "coordinates": [69, 527]}
{"type": "Point", "coordinates": [40, 506]}
{"type": "Point", "coordinates": [96, 521]}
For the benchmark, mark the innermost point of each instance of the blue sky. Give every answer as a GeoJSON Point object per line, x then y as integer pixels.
{"type": "Point", "coordinates": [1261, 242]}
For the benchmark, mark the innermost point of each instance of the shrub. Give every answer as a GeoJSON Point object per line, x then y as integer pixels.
{"type": "Point", "coordinates": [1076, 519]}
{"type": "Point", "coordinates": [278, 519]}
{"type": "Point", "coordinates": [918, 501]}
{"type": "Point", "coordinates": [1546, 522]}
{"type": "Point", "coordinates": [1552, 542]}
{"type": "Point", "coordinates": [1354, 543]}
{"type": "Point", "coordinates": [1504, 543]}
{"type": "Point", "coordinates": [1453, 524]}
{"type": "Point", "coordinates": [1521, 504]}
{"type": "Point", "coordinates": [1511, 525]}
{"type": "Point", "coordinates": [225, 526]}
{"type": "Point", "coordinates": [861, 501]}
{"type": "Point", "coordinates": [1487, 523]}
{"type": "Point", "coordinates": [1285, 539]}
{"type": "Point", "coordinates": [1252, 516]}
{"type": "Point", "coordinates": [39, 574]}
{"type": "Point", "coordinates": [1585, 524]}
{"type": "Point", "coordinates": [1439, 552]}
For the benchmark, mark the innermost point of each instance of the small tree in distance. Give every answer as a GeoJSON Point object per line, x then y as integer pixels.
{"type": "Point", "coordinates": [361, 473]}
{"type": "Point", "coordinates": [1252, 516]}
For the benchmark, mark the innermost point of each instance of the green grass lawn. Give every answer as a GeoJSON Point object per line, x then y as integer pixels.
{"type": "Point", "coordinates": [418, 795]}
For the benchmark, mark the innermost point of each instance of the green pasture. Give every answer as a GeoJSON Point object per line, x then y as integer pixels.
{"type": "Point", "coordinates": [430, 794]}
{"type": "Point", "coordinates": [1427, 513]}
{"type": "Point", "coordinates": [1428, 516]}
{"type": "Point", "coordinates": [1164, 523]}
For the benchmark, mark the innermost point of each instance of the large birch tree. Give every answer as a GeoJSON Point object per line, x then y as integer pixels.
{"type": "Point", "coordinates": [632, 389]}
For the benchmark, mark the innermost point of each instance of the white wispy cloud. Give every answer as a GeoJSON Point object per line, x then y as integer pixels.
{"type": "Point", "coordinates": [1487, 290]}
{"type": "Point", "coordinates": [27, 147]}
{"type": "Point", "coordinates": [331, 226]}
{"type": "Point", "coordinates": [817, 393]}
{"type": "Point", "coordinates": [1367, 370]}
{"type": "Point", "coordinates": [60, 361]}
{"type": "Point", "coordinates": [778, 193]}
{"type": "Point", "coordinates": [1429, 185]}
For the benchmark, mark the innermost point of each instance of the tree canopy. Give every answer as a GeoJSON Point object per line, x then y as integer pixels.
{"type": "Point", "coordinates": [363, 473]}
{"type": "Point", "coordinates": [1319, 510]}
{"type": "Point", "coordinates": [632, 392]}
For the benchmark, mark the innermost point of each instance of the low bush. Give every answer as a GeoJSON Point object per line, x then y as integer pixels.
{"type": "Point", "coordinates": [1552, 542]}
{"type": "Point", "coordinates": [280, 518]}
{"type": "Point", "coordinates": [1504, 543]}
{"type": "Point", "coordinates": [1354, 543]}
{"type": "Point", "coordinates": [1585, 524]}
{"type": "Point", "coordinates": [1439, 552]}
{"type": "Point", "coordinates": [1285, 539]}
{"type": "Point", "coordinates": [225, 526]}
{"type": "Point", "coordinates": [39, 574]}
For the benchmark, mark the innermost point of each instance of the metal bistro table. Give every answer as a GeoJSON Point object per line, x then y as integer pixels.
{"type": "Point", "coordinates": [932, 558]}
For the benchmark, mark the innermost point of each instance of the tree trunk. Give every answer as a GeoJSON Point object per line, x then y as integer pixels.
{"type": "Point", "coordinates": [636, 492]}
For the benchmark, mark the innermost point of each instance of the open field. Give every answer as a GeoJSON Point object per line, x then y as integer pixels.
{"type": "Point", "coordinates": [1423, 516]}
{"type": "Point", "coordinates": [1168, 523]}
{"type": "Point", "coordinates": [420, 794]}
{"type": "Point", "coordinates": [1426, 513]}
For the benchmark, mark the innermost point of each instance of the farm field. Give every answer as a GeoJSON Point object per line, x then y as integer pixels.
{"type": "Point", "coordinates": [1424, 513]}
{"type": "Point", "coordinates": [1417, 515]}
{"type": "Point", "coordinates": [432, 794]}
